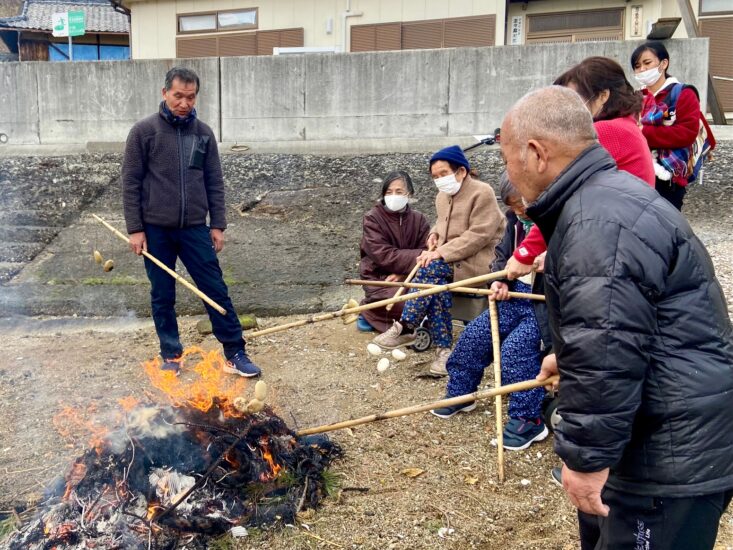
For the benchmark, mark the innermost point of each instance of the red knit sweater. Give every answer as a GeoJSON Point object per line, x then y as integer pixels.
{"type": "Point", "coordinates": [623, 140]}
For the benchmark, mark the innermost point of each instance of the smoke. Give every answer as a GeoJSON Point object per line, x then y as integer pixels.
{"type": "Point", "coordinates": [142, 423]}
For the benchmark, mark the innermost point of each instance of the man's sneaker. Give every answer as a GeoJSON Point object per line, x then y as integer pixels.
{"type": "Point", "coordinates": [437, 367]}
{"type": "Point", "coordinates": [447, 412]}
{"type": "Point", "coordinates": [362, 325]}
{"type": "Point", "coordinates": [172, 365]}
{"type": "Point", "coordinates": [393, 337]}
{"type": "Point", "coordinates": [242, 365]}
{"type": "Point", "coordinates": [520, 433]}
{"type": "Point", "coordinates": [556, 474]}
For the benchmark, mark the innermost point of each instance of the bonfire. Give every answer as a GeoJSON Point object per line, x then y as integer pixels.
{"type": "Point", "coordinates": [210, 462]}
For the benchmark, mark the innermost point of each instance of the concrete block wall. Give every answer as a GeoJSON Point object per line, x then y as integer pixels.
{"type": "Point", "coordinates": [19, 102]}
{"type": "Point", "coordinates": [301, 98]}
{"type": "Point", "coordinates": [59, 103]}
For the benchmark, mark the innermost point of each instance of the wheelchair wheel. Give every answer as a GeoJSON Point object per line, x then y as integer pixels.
{"type": "Point", "coordinates": [549, 413]}
{"type": "Point", "coordinates": [423, 340]}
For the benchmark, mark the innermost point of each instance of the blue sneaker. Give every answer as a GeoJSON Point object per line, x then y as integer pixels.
{"type": "Point", "coordinates": [172, 365]}
{"type": "Point", "coordinates": [520, 433]}
{"type": "Point", "coordinates": [447, 412]}
{"type": "Point", "coordinates": [242, 365]}
{"type": "Point", "coordinates": [362, 325]}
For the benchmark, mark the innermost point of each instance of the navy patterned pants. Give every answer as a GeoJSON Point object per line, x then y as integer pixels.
{"type": "Point", "coordinates": [520, 354]}
{"type": "Point", "coordinates": [436, 306]}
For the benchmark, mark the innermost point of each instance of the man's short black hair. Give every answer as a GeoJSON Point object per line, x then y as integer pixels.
{"type": "Point", "coordinates": [187, 76]}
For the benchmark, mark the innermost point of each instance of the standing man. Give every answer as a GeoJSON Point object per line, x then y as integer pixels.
{"type": "Point", "coordinates": [643, 340]}
{"type": "Point", "coordinates": [171, 181]}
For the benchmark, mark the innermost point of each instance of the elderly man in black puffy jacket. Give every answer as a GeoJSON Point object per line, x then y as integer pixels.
{"type": "Point", "coordinates": [642, 337]}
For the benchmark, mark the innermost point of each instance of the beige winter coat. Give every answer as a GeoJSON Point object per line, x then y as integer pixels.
{"type": "Point", "coordinates": [469, 226]}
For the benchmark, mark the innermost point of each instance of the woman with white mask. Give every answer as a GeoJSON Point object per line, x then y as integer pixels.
{"type": "Point", "coordinates": [460, 245]}
{"type": "Point", "coordinates": [670, 118]}
{"type": "Point", "coordinates": [393, 236]}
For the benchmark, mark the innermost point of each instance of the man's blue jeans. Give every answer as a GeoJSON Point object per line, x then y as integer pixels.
{"type": "Point", "coordinates": [194, 247]}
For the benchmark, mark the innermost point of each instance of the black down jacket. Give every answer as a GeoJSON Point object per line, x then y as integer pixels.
{"type": "Point", "coordinates": [643, 338]}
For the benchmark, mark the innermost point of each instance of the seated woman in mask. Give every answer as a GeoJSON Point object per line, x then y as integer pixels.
{"type": "Point", "coordinates": [460, 245]}
{"type": "Point", "coordinates": [393, 236]}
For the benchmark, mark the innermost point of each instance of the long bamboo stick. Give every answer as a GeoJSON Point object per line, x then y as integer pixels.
{"type": "Point", "coordinates": [496, 347]}
{"type": "Point", "coordinates": [427, 292]}
{"type": "Point", "coordinates": [459, 290]}
{"type": "Point", "coordinates": [165, 268]}
{"type": "Point", "coordinates": [402, 289]}
{"type": "Point", "coordinates": [400, 292]}
{"type": "Point", "coordinates": [415, 409]}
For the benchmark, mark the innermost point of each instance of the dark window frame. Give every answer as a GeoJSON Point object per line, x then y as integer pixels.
{"type": "Point", "coordinates": [216, 28]}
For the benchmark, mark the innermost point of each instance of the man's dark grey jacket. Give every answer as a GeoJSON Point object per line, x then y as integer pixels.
{"type": "Point", "coordinates": [171, 175]}
{"type": "Point", "coordinates": [643, 338]}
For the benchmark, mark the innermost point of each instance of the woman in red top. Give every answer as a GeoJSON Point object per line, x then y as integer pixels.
{"type": "Point", "coordinates": [663, 128]}
{"type": "Point", "coordinates": [615, 108]}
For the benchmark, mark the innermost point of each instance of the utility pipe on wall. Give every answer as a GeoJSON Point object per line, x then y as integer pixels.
{"type": "Point", "coordinates": [344, 16]}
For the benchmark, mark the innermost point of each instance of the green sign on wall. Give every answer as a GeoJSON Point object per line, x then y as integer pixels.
{"type": "Point", "coordinates": [76, 23]}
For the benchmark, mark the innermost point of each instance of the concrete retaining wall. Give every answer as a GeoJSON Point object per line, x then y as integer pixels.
{"type": "Point", "coordinates": [325, 97]}
{"type": "Point", "coordinates": [52, 103]}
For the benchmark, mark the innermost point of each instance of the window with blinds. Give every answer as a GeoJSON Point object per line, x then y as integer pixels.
{"type": "Point", "coordinates": [577, 26]}
{"type": "Point", "coordinates": [433, 33]}
{"type": "Point", "coordinates": [238, 44]}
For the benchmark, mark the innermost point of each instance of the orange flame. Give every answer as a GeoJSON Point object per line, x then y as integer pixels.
{"type": "Point", "coordinates": [212, 386]}
{"type": "Point", "coordinates": [74, 477]}
{"type": "Point", "coordinates": [275, 468]}
{"type": "Point", "coordinates": [70, 421]}
{"type": "Point", "coordinates": [128, 403]}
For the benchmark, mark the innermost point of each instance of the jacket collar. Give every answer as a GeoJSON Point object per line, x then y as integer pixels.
{"type": "Point", "coordinates": [174, 120]}
{"type": "Point", "coordinates": [387, 212]}
{"type": "Point", "coordinates": [546, 210]}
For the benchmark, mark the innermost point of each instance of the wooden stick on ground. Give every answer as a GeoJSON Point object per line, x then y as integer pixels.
{"type": "Point", "coordinates": [459, 290]}
{"type": "Point", "coordinates": [427, 292]}
{"type": "Point", "coordinates": [167, 269]}
{"type": "Point", "coordinates": [496, 346]}
{"type": "Point", "coordinates": [415, 409]}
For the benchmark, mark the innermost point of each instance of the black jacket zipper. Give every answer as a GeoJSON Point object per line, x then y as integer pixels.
{"type": "Point", "coordinates": [182, 176]}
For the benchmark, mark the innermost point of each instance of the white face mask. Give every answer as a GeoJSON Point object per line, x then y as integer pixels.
{"type": "Point", "coordinates": [395, 203]}
{"type": "Point", "coordinates": [448, 184]}
{"type": "Point", "coordinates": [649, 77]}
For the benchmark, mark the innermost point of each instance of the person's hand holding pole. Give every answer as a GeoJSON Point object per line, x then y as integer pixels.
{"type": "Point", "coordinates": [501, 290]}
{"type": "Point", "coordinates": [138, 244]}
{"type": "Point", "coordinates": [516, 269]}
{"type": "Point", "coordinates": [549, 368]}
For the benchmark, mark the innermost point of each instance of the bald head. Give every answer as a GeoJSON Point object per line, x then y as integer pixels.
{"type": "Point", "coordinates": [541, 134]}
{"type": "Point", "coordinates": [553, 114]}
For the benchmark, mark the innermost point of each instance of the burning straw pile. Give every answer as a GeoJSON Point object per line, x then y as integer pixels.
{"type": "Point", "coordinates": [175, 476]}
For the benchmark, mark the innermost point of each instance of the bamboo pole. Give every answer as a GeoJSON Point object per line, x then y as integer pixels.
{"type": "Point", "coordinates": [165, 268]}
{"type": "Point", "coordinates": [496, 347]}
{"type": "Point", "coordinates": [459, 290]}
{"type": "Point", "coordinates": [427, 292]}
{"type": "Point", "coordinates": [401, 291]}
{"type": "Point", "coordinates": [415, 409]}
